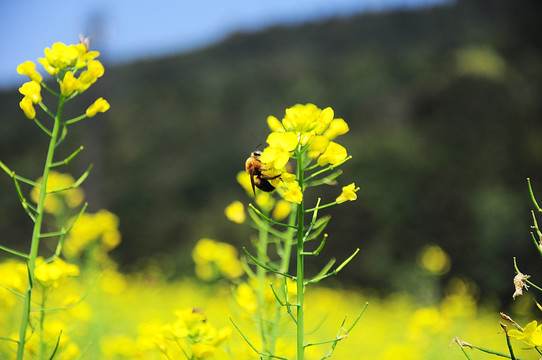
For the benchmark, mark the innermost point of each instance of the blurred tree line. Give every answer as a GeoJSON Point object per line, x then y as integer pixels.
{"type": "Point", "coordinates": [444, 106]}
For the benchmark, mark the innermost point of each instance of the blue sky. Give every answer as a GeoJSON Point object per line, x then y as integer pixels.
{"type": "Point", "coordinates": [125, 30]}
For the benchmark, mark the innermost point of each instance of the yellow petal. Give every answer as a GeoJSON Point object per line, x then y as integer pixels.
{"type": "Point", "coordinates": [100, 105]}
{"type": "Point", "coordinates": [333, 154]}
{"type": "Point", "coordinates": [28, 108]}
{"type": "Point", "coordinates": [336, 128]}
{"type": "Point", "coordinates": [274, 124]}
{"type": "Point", "coordinates": [283, 140]}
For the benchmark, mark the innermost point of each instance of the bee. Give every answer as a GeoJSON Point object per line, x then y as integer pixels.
{"type": "Point", "coordinates": [255, 169]}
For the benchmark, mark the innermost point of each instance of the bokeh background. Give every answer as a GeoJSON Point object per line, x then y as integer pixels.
{"type": "Point", "coordinates": [443, 100]}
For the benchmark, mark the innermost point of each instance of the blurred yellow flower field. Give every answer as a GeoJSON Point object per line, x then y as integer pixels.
{"type": "Point", "coordinates": [126, 317]}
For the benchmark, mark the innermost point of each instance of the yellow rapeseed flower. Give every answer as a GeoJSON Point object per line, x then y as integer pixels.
{"type": "Point", "coordinates": [305, 133]}
{"type": "Point", "coordinates": [293, 192]}
{"type": "Point", "coordinates": [100, 105]}
{"type": "Point", "coordinates": [318, 146]}
{"type": "Point", "coordinates": [274, 124]}
{"type": "Point", "coordinates": [31, 90]}
{"type": "Point", "coordinates": [14, 276]}
{"type": "Point", "coordinates": [55, 272]}
{"type": "Point", "coordinates": [213, 258]}
{"type": "Point", "coordinates": [265, 201]}
{"type": "Point", "coordinates": [65, 62]}
{"type": "Point", "coordinates": [236, 212]}
{"type": "Point", "coordinates": [307, 119]}
{"type": "Point", "coordinates": [334, 154]}
{"type": "Point", "coordinates": [60, 57]}
{"type": "Point", "coordinates": [281, 210]}
{"type": "Point", "coordinates": [28, 68]}
{"type": "Point", "coordinates": [275, 157]}
{"type": "Point", "coordinates": [88, 77]}
{"type": "Point", "coordinates": [531, 334]}
{"type": "Point", "coordinates": [336, 127]}
{"type": "Point", "coordinates": [101, 227]}
{"type": "Point", "coordinates": [246, 298]}
{"type": "Point", "coordinates": [69, 84]}
{"type": "Point", "coordinates": [27, 107]}
{"type": "Point", "coordinates": [348, 194]}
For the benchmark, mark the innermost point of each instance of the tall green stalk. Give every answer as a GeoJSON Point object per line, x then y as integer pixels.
{"type": "Point", "coordinates": [261, 249]}
{"type": "Point", "coordinates": [300, 262]}
{"type": "Point", "coordinates": [305, 134]}
{"type": "Point", "coordinates": [284, 264]}
{"type": "Point", "coordinates": [36, 233]}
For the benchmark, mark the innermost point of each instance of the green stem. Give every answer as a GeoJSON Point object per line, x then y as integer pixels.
{"type": "Point", "coordinates": [31, 263]}
{"type": "Point", "coordinates": [42, 323]}
{"type": "Point", "coordinates": [285, 261]}
{"type": "Point", "coordinates": [300, 262]}
{"type": "Point", "coordinates": [261, 253]}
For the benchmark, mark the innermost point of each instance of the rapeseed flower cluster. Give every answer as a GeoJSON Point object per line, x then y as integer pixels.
{"type": "Point", "coordinates": [99, 231]}
{"type": "Point", "coordinates": [74, 67]}
{"type": "Point", "coordinates": [14, 275]}
{"type": "Point", "coordinates": [191, 332]}
{"type": "Point", "coordinates": [214, 259]}
{"type": "Point", "coordinates": [52, 274]}
{"type": "Point", "coordinates": [53, 331]}
{"type": "Point", "coordinates": [304, 131]}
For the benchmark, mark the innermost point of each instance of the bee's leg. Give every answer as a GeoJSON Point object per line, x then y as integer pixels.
{"type": "Point", "coordinates": [271, 177]}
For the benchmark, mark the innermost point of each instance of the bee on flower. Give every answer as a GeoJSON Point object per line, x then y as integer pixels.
{"type": "Point", "coordinates": [305, 131]}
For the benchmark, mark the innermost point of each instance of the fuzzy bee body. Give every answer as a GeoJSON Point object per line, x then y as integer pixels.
{"type": "Point", "coordinates": [255, 169]}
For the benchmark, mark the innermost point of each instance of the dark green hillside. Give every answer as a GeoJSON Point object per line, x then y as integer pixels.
{"type": "Point", "coordinates": [444, 106]}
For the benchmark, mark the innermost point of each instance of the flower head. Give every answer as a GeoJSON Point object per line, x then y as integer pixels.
{"type": "Point", "coordinates": [191, 328]}
{"type": "Point", "coordinates": [333, 154]}
{"type": "Point", "coordinates": [307, 120]}
{"type": "Point", "coordinates": [88, 77]}
{"type": "Point", "coordinates": [53, 273]}
{"type": "Point", "coordinates": [348, 194]}
{"type": "Point", "coordinates": [31, 90]}
{"type": "Point", "coordinates": [28, 107]}
{"type": "Point", "coordinates": [293, 192]}
{"type": "Point", "coordinates": [28, 68]}
{"type": "Point", "coordinates": [100, 105]}
{"type": "Point", "coordinates": [336, 128]}
{"type": "Point", "coordinates": [69, 84]}
{"type": "Point", "coordinates": [304, 125]}
{"type": "Point", "coordinates": [281, 210]}
{"type": "Point", "coordinates": [62, 57]}
{"type": "Point", "coordinates": [215, 258]}
{"type": "Point", "coordinates": [305, 133]}
{"type": "Point", "coordinates": [531, 334]}
{"type": "Point", "coordinates": [97, 231]}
